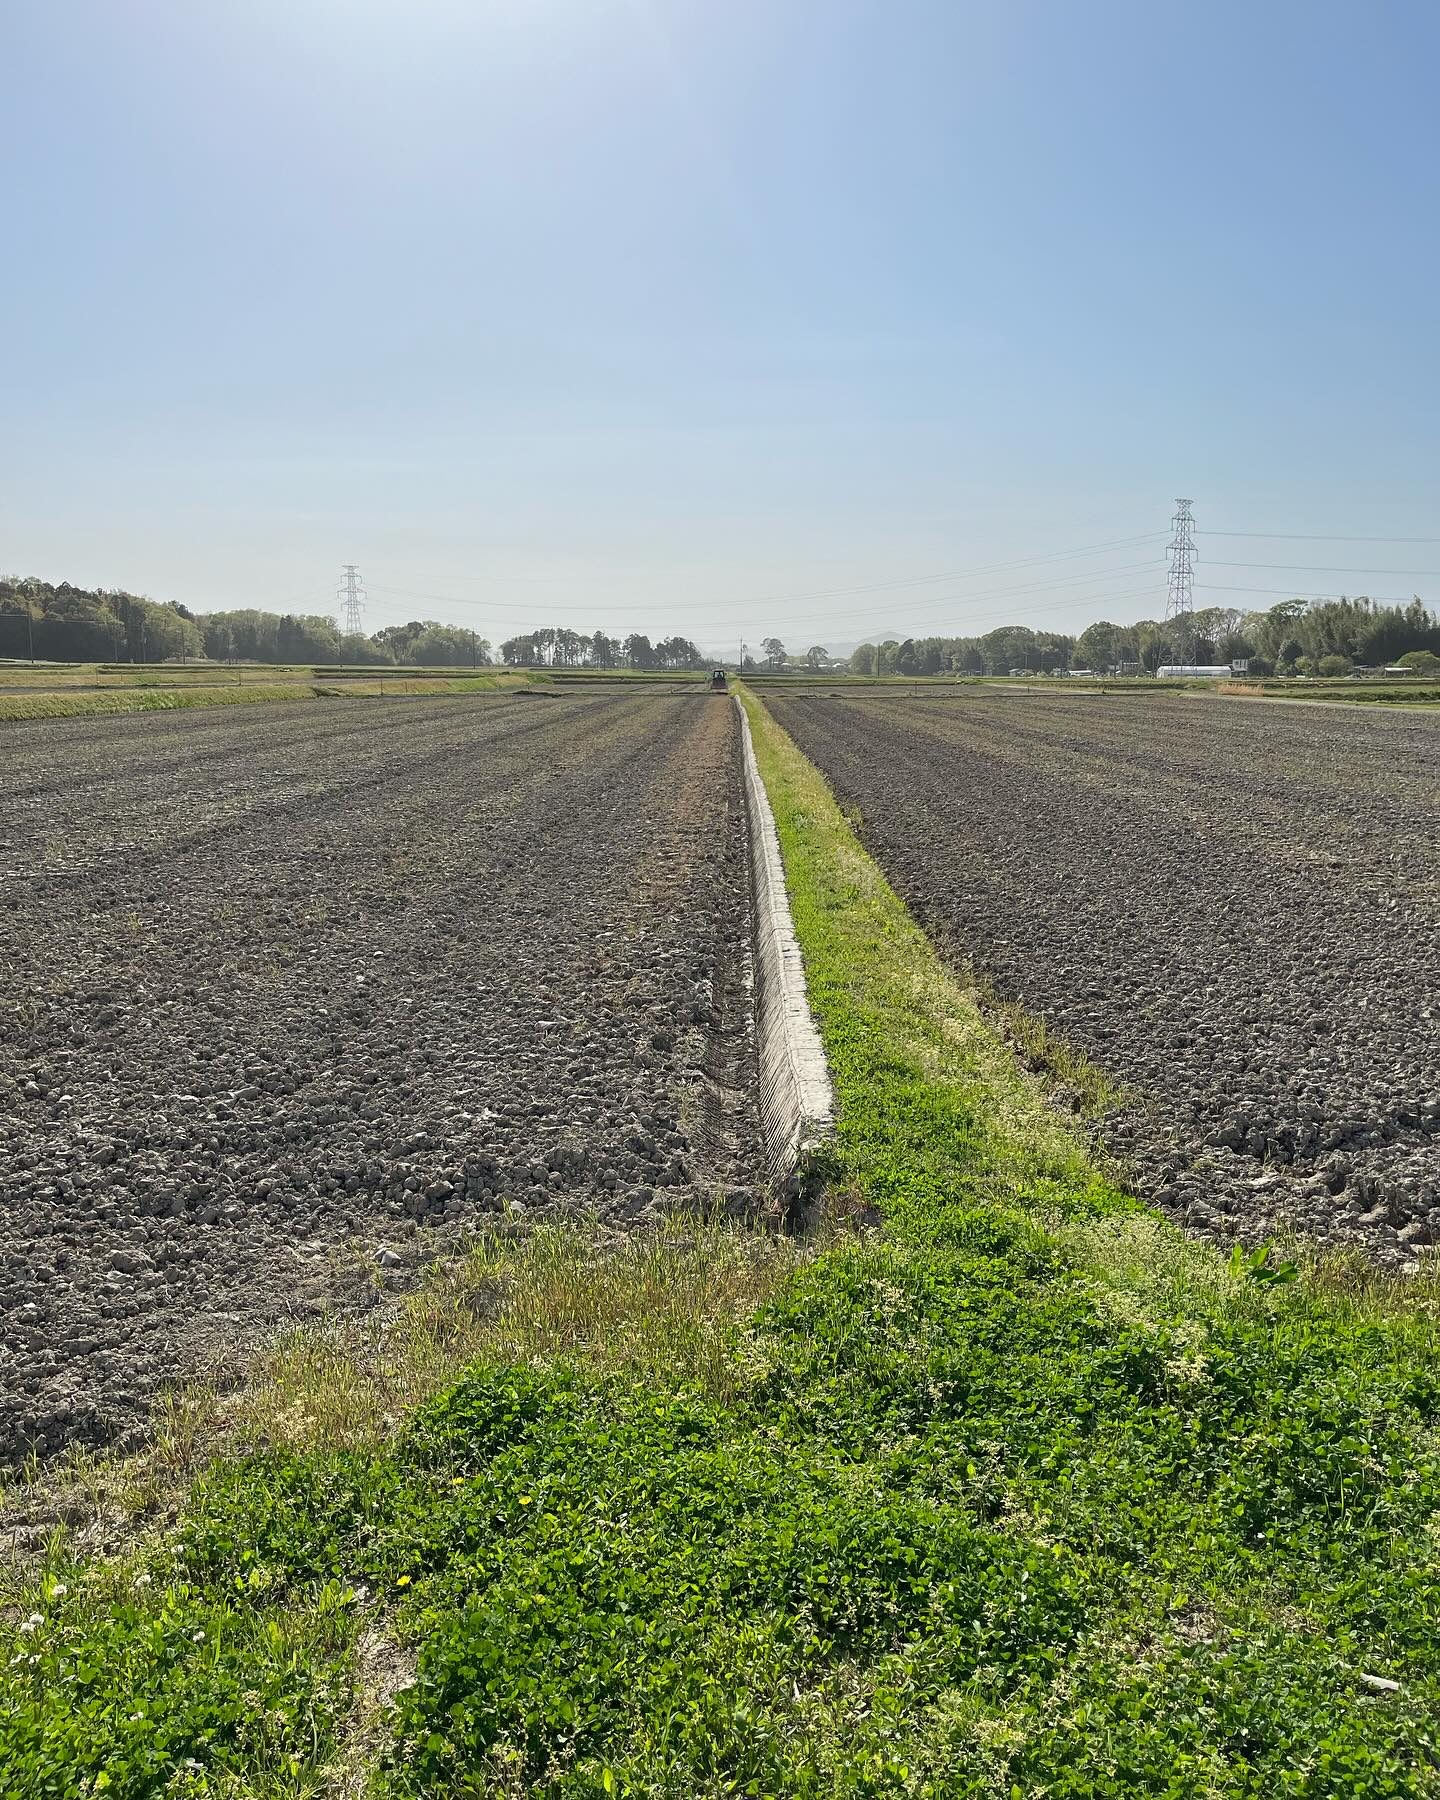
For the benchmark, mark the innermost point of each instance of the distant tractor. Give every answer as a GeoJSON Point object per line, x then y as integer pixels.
{"type": "Point", "coordinates": [718, 683]}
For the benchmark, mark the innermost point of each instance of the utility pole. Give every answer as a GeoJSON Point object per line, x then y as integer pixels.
{"type": "Point", "coordinates": [1180, 601]}
{"type": "Point", "coordinates": [352, 601]}
{"type": "Point", "coordinates": [29, 627]}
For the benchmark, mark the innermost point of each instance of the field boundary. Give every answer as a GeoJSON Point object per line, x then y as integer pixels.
{"type": "Point", "coordinates": [797, 1101]}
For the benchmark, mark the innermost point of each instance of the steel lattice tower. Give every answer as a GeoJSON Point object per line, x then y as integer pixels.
{"type": "Point", "coordinates": [352, 602]}
{"type": "Point", "coordinates": [1180, 602]}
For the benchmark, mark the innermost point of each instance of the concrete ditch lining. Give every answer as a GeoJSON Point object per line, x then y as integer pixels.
{"type": "Point", "coordinates": [797, 1101]}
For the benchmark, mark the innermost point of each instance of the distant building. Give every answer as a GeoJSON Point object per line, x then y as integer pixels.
{"type": "Point", "coordinates": [1194, 671]}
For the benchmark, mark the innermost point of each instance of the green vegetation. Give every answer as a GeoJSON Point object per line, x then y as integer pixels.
{"type": "Point", "coordinates": [1368, 693]}
{"type": "Point", "coordinates": [1325, 637]}
{"type": "Point", "coordinates": [112, 701]}
{"type": "Point", "coordinates": [1025, 1495]}
{"type": "Point", "coordinates": [558, 647]}
{"type": "Point", "coordinates": [173, 690]}
{"type": "Point", "coordinates": [580, 676]}
{"type": "Point", "coordinates": [68, 624]}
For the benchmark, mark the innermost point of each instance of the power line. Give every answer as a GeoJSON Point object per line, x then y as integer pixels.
{"type": "Point", "coordinates": [1320, 568]}
{"type": "Point", "coordinates": [873, 587]}
{"type": "Point", "coordinates": [1211, 587]}
{"type": "Point", "coordinates": [1318, 537]}
{"type": "Point", "coordinates": [946, 607]}
{"type": "Point", "coordinates": [964, 574]}
{"type": "Point", "coordinates": [1044, 609]}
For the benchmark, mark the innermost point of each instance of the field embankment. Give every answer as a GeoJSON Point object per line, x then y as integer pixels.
{"type": "Point", "coordinates": [1025, 1494]}
{"type": "Point", "coordinates": [114, 694]}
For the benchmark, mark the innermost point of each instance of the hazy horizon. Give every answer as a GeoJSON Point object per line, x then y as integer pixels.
{"type": "Point", "coordinates": [835, 325]}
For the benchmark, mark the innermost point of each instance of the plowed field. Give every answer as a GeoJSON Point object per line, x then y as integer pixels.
{"type": "Point", "coordinates": [1233, 910]}
{"type": "Point", "coordinates": [284, 994]}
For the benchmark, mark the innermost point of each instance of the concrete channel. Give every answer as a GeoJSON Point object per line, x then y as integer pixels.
{"type": "Point", "coordinates": [797, 1100]}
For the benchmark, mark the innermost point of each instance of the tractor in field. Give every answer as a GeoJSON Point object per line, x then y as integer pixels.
{"type": "Point", "coordinates": [718, 682]}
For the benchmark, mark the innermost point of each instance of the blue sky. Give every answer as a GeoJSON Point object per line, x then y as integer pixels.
{"type": "Point", "coordinates": [724, 316]}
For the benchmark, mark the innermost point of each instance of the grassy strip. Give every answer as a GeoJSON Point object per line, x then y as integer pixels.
{"type": "Point", "coordinates": [1026, 1496]}
{"type": "Point", "coordinates": [135, 700]}
{"type": "Point", "coordinates": [204, 1660]}
{"type": "Point", "coordinates": [115, 701]}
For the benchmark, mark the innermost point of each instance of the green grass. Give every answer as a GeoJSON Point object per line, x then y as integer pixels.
{"type": "Point", "coordinates": [114, 701]}
{"type": "Point", "coordinates": [1024, 1495]}
{"type": "Point", "coordinates": [1412, 692]}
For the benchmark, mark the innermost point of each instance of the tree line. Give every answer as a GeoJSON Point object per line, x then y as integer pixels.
{"type": "Point", "coordinates": [69, 624]}
{"type": "Point", "coordinates": [1295, 637]}
{"type": "Point", "coordinates": [1327, 637]}
{"type": "Point", "coordinates": [555, 647]}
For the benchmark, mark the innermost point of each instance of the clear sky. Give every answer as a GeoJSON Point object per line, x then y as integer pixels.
{"type": "Point", "coordinates": [690, 314]}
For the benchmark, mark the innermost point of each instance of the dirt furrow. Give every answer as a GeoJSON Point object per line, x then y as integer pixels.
{"type": "Point", "coordinates": [1233, 912]}
{"type": "Point", "coordinates": [479, 967]}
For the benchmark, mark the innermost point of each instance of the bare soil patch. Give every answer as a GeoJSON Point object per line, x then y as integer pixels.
{"type": "Point", "coordinates": [1233, 911]}
{"type": "Point", "coordinates": [291, 1000]}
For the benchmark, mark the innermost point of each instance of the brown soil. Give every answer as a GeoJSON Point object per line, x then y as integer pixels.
{"type": "Point", "coordinates": [1233, 910]}
{"type": "Point", "coordinates": [292, 999]}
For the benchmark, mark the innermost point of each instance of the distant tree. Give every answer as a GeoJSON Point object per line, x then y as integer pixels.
{"type": "Point", "coordinates": [679, 653]}
{"type": "Point", "coordinates": [638, 652]}
{"type": "Point", "coordinates": [971, 660]}
{"type": "Point", "coordinates": [1153, 645]}
{"type": "Point", "coordinates": [1423, 662]}
{"type": "Point", "coordinates": [817, 656]}
{"type": "Point", "coordinates": [1008, 647]}
{"type": "Point", "coordinates": [862, 659]}
{"type": "Point", "coordinates": [1331, 666]}
{"type": "Point", "coordinates": [1097, 647]}
{"type": "Point", "coordinates": [774, 652]}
